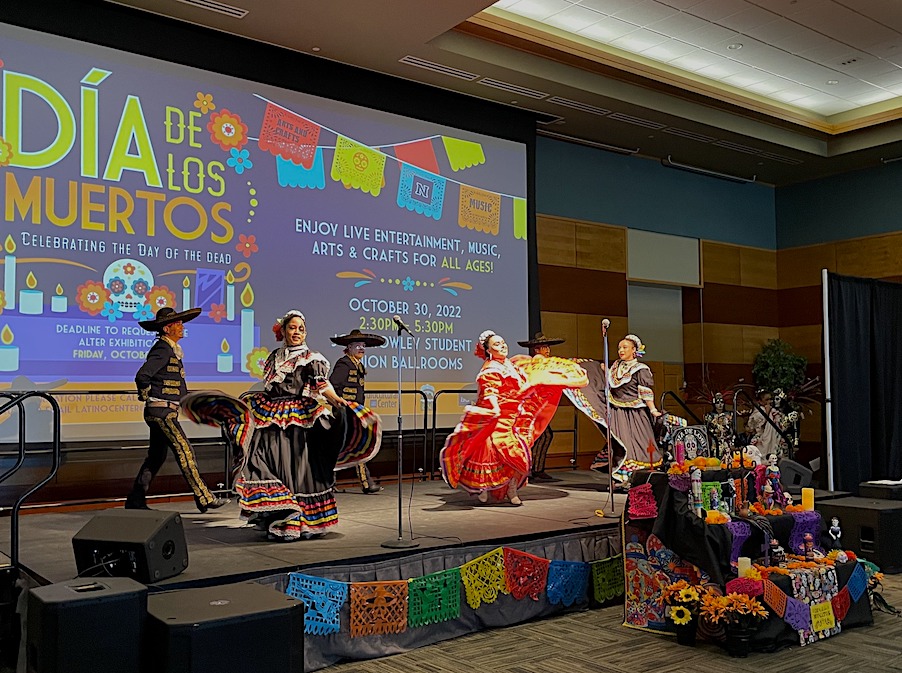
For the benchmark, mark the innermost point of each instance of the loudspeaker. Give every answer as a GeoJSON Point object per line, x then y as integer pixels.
{"type": "Point", "coordinates": [86, 626]}
{"type": "Point", "coordinates": [146, 545]}
{"type": "Point", "coordinates": [794, 476]}
{"type": "Point", "coordinates": [880, 491]}
{"type": "Point", "coordinates": [870, 528]}
{"type": "Point", "coordinates": [232, 627]}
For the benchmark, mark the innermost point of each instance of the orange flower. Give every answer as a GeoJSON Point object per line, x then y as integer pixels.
{"type": "Point", "coordinates": [715, 517]}
{"type": "Point", "coordinates": [160, 296]}
{"type": "Point", "coordinates": [227, 130]}
{"type": "Point", "coordinates": [6, 152]}
{"type": "Point", "coordinates": [91, 297]}
{"type": "Point", "coordinates": [247, 245]}
{"type": "Point", "coordinates": [204, 102]}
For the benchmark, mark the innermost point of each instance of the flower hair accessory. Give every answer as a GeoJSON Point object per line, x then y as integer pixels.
{"type": "Point", "coordinates": [280, 322]}
{"type": "Point", "coordinates": [480, 351]}
{"type": "Point", "coordinates": [640, 347]}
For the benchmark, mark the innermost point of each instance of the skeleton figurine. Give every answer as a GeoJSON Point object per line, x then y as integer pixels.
{"type": "Point", "coordinates": [695, 480]}
{"type": "Point", "coordinates": [835, 534]}
{"type": "Point", "coordinates": [777, 554]}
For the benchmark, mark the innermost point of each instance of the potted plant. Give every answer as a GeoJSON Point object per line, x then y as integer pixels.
{"type": "Point", "coordinates": [683, 601]}
{"type": "Point", "coordinates": [739, 613]}
{"type": "Point", "coordinates": [776, 366]}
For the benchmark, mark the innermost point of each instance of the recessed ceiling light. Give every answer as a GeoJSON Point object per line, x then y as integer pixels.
{"type": "Point", "coordinates": [315, 49]}
{"type": "Point", "coordinates": [832, 81]}
{"type": "Point", "coordinates": [513, 102]}
{"type": "Point", "coordinates": [735, 45]}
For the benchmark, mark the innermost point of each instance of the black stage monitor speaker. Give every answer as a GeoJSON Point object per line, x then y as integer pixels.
{"type": "Point", "coordinates": [86, 626]}
{"type": "Point", "coordinates": [794, 476]}
{"type": "Point", "coordinates": [234, 627]}
{"type": "Point", "coordinates": [870, 528]}
{"type": "Point", "coordinates": [146, 545]}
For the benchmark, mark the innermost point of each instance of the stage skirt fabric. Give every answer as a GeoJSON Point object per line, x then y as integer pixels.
{"type": "Point", "coordinates": [286, 477]}
{"type": "Point", "coordinates": [486, 452]}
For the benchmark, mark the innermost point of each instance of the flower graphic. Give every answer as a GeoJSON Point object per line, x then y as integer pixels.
{"type": "Point", "coordinates": [2, 301]}
{"type": "Point", "coordinates": [247, 245]}
{"type": "Point", "coordinates": [239, 160]}
{"type": "Point", "coordinates": [128, 269]}
{"type": "Point", "coordinates": [256, 360]}
{"type": "Point", "coordinates": [6, 152]}
{"type": "Point", "coordinates": [140, 287]}
{"type": "Point", "coordinates": [143, 313]}
{"type": "Point", "coordinates": [91, 297]}
{"type": "Point", "coordinates": [217, 312]}
{"type": "Point", "coordinates": [227, 130]}
{"type": "Point", "coordinates": [160, 296]}
{"type": "Point", "coordinates": [408, 284]}
{"type": "Point", "coordinates": [204, 102]}
{"type": "Point", "coordinates": [111, 311]}
{"type": "Point", "coordinates": [116, 285]}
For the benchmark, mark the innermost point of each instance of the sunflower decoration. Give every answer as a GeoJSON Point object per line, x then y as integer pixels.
{"type": "Point", "coordinates": [680, 615]}
{"type": "Point", "coordinates": [682, 600]}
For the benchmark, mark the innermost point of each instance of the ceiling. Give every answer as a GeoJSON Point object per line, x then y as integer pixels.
{"type": "Point", "coordinates": [772, 91]}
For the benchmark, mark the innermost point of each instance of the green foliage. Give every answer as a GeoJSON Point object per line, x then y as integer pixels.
{"type": "Point", "coordinates": [776, 366]}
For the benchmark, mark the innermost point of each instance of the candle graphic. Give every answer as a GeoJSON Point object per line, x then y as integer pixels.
{"type": "Point", "coordinates": [31, 301]}
{"type": "Point", "coordinates": [59, 303]}
{"type": "Point", "coordinates": [186, 294]}
{"type": "Point", "coordinates": [224, 361]}
{"type": "Point", "coordinates": [247, 325]}
{"type": "Point", "coordinates": [230, 296]}
{"type": "Point", "coordinates": [9, 272]}
{"type": "Point", "coordinates": [9, 354]}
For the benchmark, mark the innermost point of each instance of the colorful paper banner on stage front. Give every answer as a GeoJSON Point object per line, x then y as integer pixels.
{"type": "Point", "coordinates": [567, 582]}
{"type": "Point", "coordinates": [378, 607]}
{"type": "Point", "coordinates": [479, 210]}
{"type": "Point", "coordinates": [419, 153]}
{"type": "Point", "coordinates": [463, 153]}
{"type": "Point", "coordinates": [291, 174]}
{"type": "Point", "coordinates": [775, 598]}
{"type": "Point", "coordinates": [484, 579]}
{"type": "Point", "coordinates": [421, 191]}
{"type": "Point", "coordinates": [607, 578]}
{"type": "Point", "coordinates": [358, 166]}
{"type": "Point", "coordinates": [323, 599]}
{"type": "Point", "coordinates": [526, 574]}
{"type": "Point", "coordinates": [434, 598]}
{"type": "Point", "coordinates": [288, 135]}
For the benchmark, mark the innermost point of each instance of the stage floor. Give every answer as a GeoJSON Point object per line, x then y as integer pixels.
{"type": "Point", "coordinates": [221, 548]}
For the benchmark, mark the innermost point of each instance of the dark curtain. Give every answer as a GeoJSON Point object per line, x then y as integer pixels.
{"type": "Point", "coordinates": [866, 379]}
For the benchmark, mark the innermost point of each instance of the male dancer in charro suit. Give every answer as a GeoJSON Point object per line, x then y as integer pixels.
{"type": "Point", "coordinates": [348, 377]}
{"type": "Point", "coordinates": [161, 384]}
{"type": "Point", "coordinates": [540, 345]}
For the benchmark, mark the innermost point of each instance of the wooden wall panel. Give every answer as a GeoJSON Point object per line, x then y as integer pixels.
{"type": "Point", "coordinates": [571, 290]}
{"type": "Point", "coordinates": [806, 340]}
{"type": "Point", "coordinates": [737, 305]}
{"type": "Point", "coordinates": [800, 267]}
{"type": "Point", "coordinates": [563, 326]}
{"type": "Point", "coordinates": [872, 257]}
{"type": "Point", "coordinates": [758, 268]}
{"type": "Point", "coordinates": [720, 263]}
{"type": "Point", "coordinates": [753, 338]}
{"type": "Point", "coordinates": [555, 241]}
{"type": "Point", "coordinates": [600, 247]}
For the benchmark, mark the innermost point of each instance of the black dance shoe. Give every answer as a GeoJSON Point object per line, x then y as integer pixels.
{"type": "Point", "coordinates": [369, 490]}
{"type": "Point", "coordinates": [215, 504]}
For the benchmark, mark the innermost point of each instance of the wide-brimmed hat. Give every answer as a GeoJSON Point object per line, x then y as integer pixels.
{"type": "Point", "coordinates": [168, 315]}
{"type": "Point", "coordinates": [356, 336]}
{"type": "Point", "coordinates": [540, 340]}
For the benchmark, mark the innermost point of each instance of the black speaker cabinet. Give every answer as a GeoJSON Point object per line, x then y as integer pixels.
{"type": "Point", "coordinates": [86, 626]}
{"type": "Point", "coordinates": [232, 627]}
{"type": "Point", "coordinates": [870, 528]}
{"type": "Point", "coordinates": [146, 545]}
{"type": "Point", "coordinates": [880, 491]}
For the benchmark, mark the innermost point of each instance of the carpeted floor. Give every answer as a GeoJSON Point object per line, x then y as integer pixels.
{"type": "Point", "coordinates": [595, 642]}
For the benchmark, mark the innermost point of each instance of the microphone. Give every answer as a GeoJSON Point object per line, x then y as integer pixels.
{"type": "Point", "coordinates": [604, 326]}
{"type": "Point", "coordinates": [400, 325]}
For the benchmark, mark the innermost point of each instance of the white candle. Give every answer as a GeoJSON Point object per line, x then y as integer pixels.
{"type": "Point", "coordinates": [745, 564]}
{"type": "Point", "coordinates": [186, 294]}
{"type": "Point", "coordinates": [230, 301]}
{"type": "Point", "coordinates": [224, 362]}
{"type": "Point", "coordinates": [31, 302]}
{"type": "Point", "coordinates": [9, 281]}
{"type": "Point", "coordinates": [247, 335]}
{"type": "Point", "coordinates": [9, 354]}
{"type": "Point", "coordinates": [59, 303]}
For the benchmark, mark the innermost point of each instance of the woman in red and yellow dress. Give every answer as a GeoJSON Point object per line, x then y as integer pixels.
{"type": "Point", "coordinates": [488, 454]}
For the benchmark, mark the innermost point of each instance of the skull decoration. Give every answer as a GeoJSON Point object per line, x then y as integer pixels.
{"type": "Point", "coordinates": [128, 281]}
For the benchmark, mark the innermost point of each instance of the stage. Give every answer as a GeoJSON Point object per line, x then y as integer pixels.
{"type": "Point", "coordinates": [222, 549]}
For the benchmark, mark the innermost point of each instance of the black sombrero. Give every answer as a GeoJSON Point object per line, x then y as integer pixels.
{"type": "Point", "coordinates": [356, 336]}
{"type": "Point", "coordinates": [168, 315]}
{"type": "Point", "coordinates": [540, 340]}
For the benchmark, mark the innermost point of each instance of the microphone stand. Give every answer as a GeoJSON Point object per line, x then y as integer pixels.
{"type": "Point", "coordinates": [400, 542]}
{"type": "Point", "coordinates": [607, 400]}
